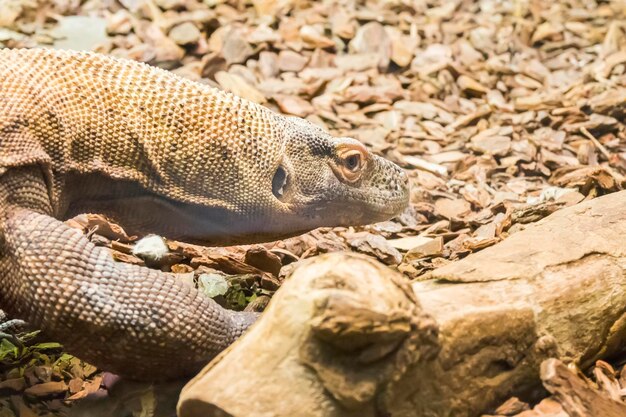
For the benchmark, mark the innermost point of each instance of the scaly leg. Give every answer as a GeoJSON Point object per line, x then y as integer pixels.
{"type": "Point", "coordinates": [127, 319]}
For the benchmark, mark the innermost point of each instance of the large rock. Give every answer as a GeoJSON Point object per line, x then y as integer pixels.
{"type": "Point", "coordinates": [347, 337]}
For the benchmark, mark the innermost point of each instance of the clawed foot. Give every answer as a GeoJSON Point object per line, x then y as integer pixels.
{"type": "Point", "coordinates": [12, 325]}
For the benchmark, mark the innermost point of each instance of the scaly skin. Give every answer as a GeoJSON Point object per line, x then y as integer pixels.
{"type": "Point", "coordinates": [157, 153]}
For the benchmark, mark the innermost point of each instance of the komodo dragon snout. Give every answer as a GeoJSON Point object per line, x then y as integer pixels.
{"type": "Point", "coordinates": [320, 180]}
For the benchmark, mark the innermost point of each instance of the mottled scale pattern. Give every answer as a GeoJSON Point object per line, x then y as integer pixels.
{"type": "Point", "coordinates": [89, 112]}
{"type": "Point", "coordinates": [65, 113]}
{"type": "Point", "coordinates": [160, 154]}
{"type": "Point", "coordinates": [124, 318]}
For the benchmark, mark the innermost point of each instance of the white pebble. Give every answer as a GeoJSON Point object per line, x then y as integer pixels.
{"type": "Point", "coordinates": [151, 247]}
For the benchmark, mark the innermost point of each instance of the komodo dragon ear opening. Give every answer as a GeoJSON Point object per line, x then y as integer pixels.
{"type": "Point", "coordinates": [279, 182]}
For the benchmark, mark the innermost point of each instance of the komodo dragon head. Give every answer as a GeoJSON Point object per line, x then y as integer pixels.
{"type": "Point", "coordinates": [311, 180]}
{"type": "Point", "coordinates": [326, 181]}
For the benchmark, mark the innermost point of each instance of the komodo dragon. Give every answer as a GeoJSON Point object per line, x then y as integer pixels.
{"type": "Point", "coordinates": [83, 132]}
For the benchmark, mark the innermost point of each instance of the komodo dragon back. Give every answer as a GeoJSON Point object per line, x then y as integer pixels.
{"type": "Point", "coordinates": [84, 132]}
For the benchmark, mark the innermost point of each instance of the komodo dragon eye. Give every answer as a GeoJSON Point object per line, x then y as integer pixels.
{"type": "Point", "coordinates": [352, 160]}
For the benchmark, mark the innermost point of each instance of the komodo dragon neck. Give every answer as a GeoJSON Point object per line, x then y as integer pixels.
{"type": "Point", "coordinates": [82, 131]}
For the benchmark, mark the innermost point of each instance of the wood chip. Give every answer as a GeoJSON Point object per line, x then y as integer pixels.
{"type": "Point", "coordinates": [575, 395]}
{"type": "Point", "coordinates": [46, 389]}
{"type": "Point", "coordinates": [185, 33]}
{"type": "Point", "coordinates": [452, 208]}
{"type": "Point", "coordinates": [239, 86]}
{"type": "Point", "coordinates": [293, 105]}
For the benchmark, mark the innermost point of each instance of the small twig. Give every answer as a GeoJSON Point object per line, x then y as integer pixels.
{"type": "Point", "coordinates": [597, 143]}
